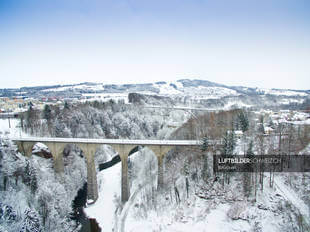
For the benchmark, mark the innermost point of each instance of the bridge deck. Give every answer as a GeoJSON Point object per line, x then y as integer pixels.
{"type": "Point", "coordinates": [180, 108]}
{"type": "Point", "coordinates": [110, 141]}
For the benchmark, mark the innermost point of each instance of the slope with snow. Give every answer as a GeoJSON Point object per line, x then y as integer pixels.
{"type": "Point", "coordinates": [279, 92]}
{"type": "Point", "coordinates": [209, 207]}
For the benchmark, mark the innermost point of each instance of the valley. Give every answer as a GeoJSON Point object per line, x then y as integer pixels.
{"type": "Point", "coordinates": [219, 120]}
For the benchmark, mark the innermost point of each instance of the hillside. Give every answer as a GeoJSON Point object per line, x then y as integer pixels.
{"type": "Point", "coordinates": [184, 92]}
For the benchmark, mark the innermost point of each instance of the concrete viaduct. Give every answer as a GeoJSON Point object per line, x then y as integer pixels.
{"type": "Point", "coordinates": [89, 146]}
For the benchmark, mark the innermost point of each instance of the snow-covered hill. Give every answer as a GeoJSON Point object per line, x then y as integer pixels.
{"type": "Point", "coordinates": [181, 87]}
{"type": "Point", "coordinates": [184, 92]}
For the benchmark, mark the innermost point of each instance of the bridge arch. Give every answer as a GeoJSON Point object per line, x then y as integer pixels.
{"type": "Point", "coordinates": [145, 165]}
{"type": "Point", "coordinates": [160, 152]}
{"type": "Point", "coordinates": [89, 146]}
{"type": "Point", "coordinates": [90, 152]}
{"type": "Point", "coordinates": [125, 150]}
{"type": "Point", "coordinates": [26, 147]}
{"type": "Point", "coordinates": [57, 149]}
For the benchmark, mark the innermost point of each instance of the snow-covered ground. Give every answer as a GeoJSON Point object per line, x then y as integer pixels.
{"type": "Point", "coordinates": [279, 92]}
{"type": "Point", "coordinates": [167, 89]}
{"type": "Point", "coordinates": [94, 87]}
{"type": "Point", "coordinates": [224, 213]}
{"type": "Point", "coordinates": [291, 196]}
{"type": "Point", "coordinates": [216, 221]}
{"type": "Point", "coordinates": [203, 92]}
{"type": "Point", "coordinates": [236, 104]}
{"type": "Point", "coordinates": [109, 186]}
{"type": "Point", "coordinates": [109, 191]}
{"type": "Point", "coordinates": [222, 209]}
{"type": "Point", "coordinates": [11, 128]}
{"type": "Point", "coordinates": [105, 97]}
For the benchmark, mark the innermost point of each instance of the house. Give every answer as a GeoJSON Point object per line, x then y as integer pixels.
{"type": "Point", "coordinates": [268, 130]}
{"type": "Point", "coordinates": [238, 134]}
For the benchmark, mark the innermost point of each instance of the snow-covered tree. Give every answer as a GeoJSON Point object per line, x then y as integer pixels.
{"type": "Point", "coordinates": [228, 143]}
{"type": "Point", "coordinates": [205, 143]}
{"type": "Point", "coordinates": [244, 121]}
{"type": "Point", "coordinates": [261, 128]}
{"type": "Point", "coordinates": [47, 112]}
{"type": "Point", "coordinates": [248, 172]}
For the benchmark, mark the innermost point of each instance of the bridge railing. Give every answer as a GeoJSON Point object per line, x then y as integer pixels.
{"type": "Point", "coordinates": [110, 141]}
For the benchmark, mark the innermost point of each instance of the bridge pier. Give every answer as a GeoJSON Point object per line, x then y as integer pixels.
{"type": "Point", "coordinates": [92, 187]}
{"type": "Point", "coordinates": [125, 188]}
{"type": "Point", "coordinates": [160, 152]}
{"type": "Point", "coordinates": [160, 172]}
{"type": "Point", "coordinates": [25, 148]}
{"type": "Point", "coordinates": [123, 151]}
{"type": "Point", "coordinates": [57, 153]}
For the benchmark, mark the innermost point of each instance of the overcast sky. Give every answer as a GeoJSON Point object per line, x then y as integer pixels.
{"type": "Point", "coordinates": [257, 43]}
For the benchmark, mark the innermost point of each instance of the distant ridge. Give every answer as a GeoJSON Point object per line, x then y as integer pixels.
{"type": "Point", "coordinates": [181, 87]}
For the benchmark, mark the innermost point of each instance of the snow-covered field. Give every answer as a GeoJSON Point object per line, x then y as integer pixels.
{"type": "Point", "coordinates": [105, 97]}
{"type": "Point", "coordinates": [94, 87]}
{"type": "Point", "coordinates": [11, 128]}
{"type": "Point", "coordinates": [283, 92]}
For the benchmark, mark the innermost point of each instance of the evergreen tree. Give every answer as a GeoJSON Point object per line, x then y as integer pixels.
{"type": "Point", "coordinates": [204, 147]}
{"type": "Point", "coordinates": [47, 112]}
{"type": "Point", "coordinates": [187, 186]}
{"type": "Point", "coordinates": [271, 124]}
{"type": "Point", "coordinates": [224, 150]}
{"type": "Point", "coordinates": [205, 143]}
{"type": "Point", "coordinates": [244, 121]}
{"type": "Point", "coordinates": [30, 177]}
{"type": "Point", "coordinates": [250, 152]}
{"type": "Point", "coordinates": [186, 168]}
{"type": "Point", "coordinates": [232, 141]}
{"type": "Point", "coordinates": [229, 143]}
{"type": "Point", "coordinates": [66, 105]}
{"type": "Point", "coordinates": [261, 128]}
{"type": "Point", "coordinates": [205, 167]}
{"type": "Point", "coordinates": [248, 170]}
{"type": "Point", "coordinates": [30, 104]}
{"type": "Point", "coordinates": [237, 124]}
{"type": "Point", "coordinates": [177, 195]}
{"type": "Point", "coordinates": [31, 222]}
{"type": "Point", "coordinates": [29, 114]}
{"type": "Point", "coordinates": [32, 119]}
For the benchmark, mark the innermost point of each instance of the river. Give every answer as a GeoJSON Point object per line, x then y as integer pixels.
{"type": "Point", "coordinates": [88, 224]}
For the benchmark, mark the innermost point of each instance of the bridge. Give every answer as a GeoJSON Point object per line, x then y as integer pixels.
{"type": "Point", "coordinates": [89, 146]}
{"type": "Point", "coordinates": [181, 108]}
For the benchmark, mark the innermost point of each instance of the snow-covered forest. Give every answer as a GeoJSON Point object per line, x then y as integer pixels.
{"type": "Point", "coordinates": [34, 198]}
{"type": "Point", "coordinates": [102, 120]}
